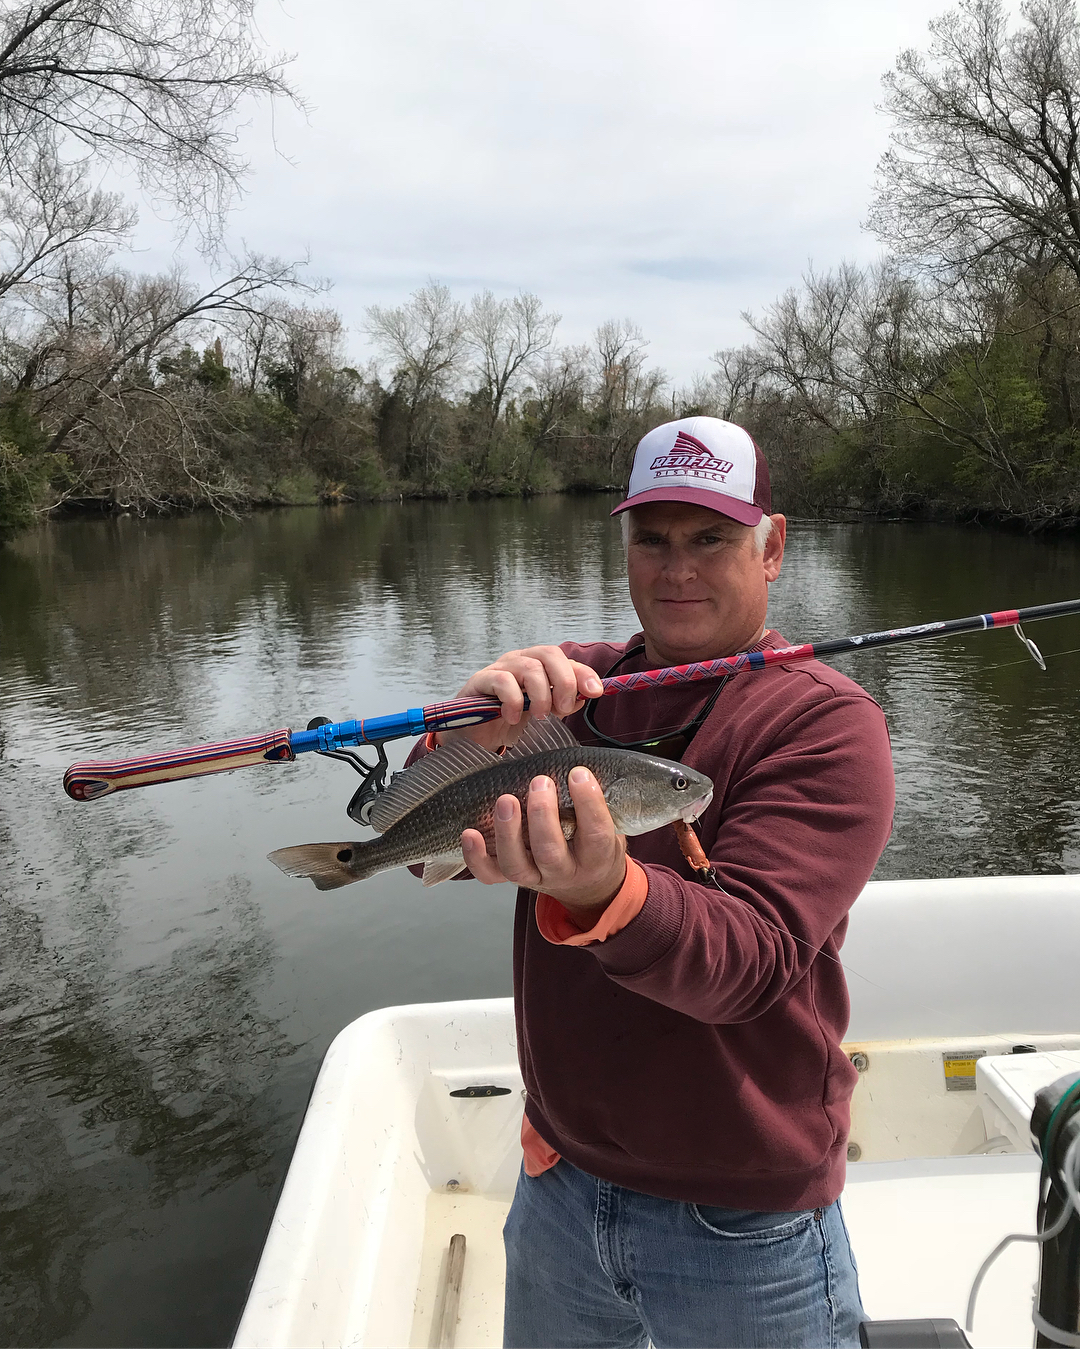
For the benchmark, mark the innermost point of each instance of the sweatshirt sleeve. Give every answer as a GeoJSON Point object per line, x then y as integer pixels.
{"type": "Point", "coordinates": [799, 834]}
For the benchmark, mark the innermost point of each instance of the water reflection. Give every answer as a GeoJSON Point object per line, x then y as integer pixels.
{"type": "Point", "coordinates": [114, 1080]}
{"type": "Point", "coordinates": [167, 994]}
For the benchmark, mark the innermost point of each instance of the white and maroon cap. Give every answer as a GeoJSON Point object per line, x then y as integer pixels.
{"type": "Point", "coordinates": [705, 461]}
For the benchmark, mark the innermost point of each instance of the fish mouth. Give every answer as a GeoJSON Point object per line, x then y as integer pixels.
{"type": "Point", "coordinates": [696, 808]}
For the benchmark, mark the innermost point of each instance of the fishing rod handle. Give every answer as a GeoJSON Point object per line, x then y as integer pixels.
{"type": "Point", "coordinates": [96, 778]}
{"type": "Point", "coordinates": [93, 779]}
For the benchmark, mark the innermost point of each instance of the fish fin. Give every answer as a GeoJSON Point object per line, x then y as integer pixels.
{"type": "Point", "coordinates": [423, 779]}
{"type": "Point", "coordinates": [440, 869]}
{"type": "Point", "coordinates": [321, 863]}
{"type": "Point", "coordinates": [547, 733]}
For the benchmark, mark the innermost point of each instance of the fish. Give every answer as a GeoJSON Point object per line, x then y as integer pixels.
{"type": "Point", "coordinates": [422, 813]}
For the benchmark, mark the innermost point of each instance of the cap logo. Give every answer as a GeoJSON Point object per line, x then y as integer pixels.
{"type": "Point", "coordinates": [689, 458]}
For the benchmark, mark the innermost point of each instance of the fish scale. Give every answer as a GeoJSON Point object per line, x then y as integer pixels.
{"type": "Point", "coordinates": [436, 828]}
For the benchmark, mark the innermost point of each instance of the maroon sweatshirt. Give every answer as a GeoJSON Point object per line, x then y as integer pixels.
{"type": "Point", "coordinates": [695, 1054]}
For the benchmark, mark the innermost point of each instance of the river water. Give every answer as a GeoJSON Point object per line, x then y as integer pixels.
{"type": "Point", "coordinates": [167, 994]}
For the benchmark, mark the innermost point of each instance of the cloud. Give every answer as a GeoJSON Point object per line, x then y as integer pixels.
{"type": "Point", "coordinates": [698, 269]}
{"type": "Point", "coordinates": [678, 162]}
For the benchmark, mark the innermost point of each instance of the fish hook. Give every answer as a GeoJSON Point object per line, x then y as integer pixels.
{"type": "Point", "coordinates": [1032, 650]}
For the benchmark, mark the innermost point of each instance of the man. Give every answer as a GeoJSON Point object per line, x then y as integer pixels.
{"type": "Point", "coordinates": [687, 1097]}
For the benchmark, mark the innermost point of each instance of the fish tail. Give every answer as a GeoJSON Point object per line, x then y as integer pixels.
{"type": "Point", "coordinates": [327, 865]}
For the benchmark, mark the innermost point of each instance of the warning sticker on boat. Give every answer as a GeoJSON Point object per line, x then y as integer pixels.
{"type": "Point", "coordinates": [960, 1069]}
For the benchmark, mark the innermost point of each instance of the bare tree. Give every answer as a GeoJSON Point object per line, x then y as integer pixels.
{"type": "Point", "coordinates": [101, 363]}
{"type": "Point", "coordinates": [554, 402]}
{"type": "Point", "coordinates": [618, 349]}
{"type": "Point", "coordinates": [871, 354]}
{"type": "Point", "coordinates": [50, 212]}
{"type": "Point", "coordinates": [424, 340]}
{"type": "Point", "coordinates": [303, 341]}
{"type": "Point", "coordinates": [985, 156]}
{"type": "Point", "coordinates": [731, 389]}
{"type": "Point", "coordinates": [624, 390]}
{"type": "Point", "coordinates": [813, 342]}
{"type": "Point", "coordinates": [148, 447]}
{"type": "Point", "coordinates": [251, 337]}
{"type": "Point", "coordinates": [156, 84]}
{"type": "Point", "coordinates": [505, 336]}
{"type": "Point", "coordinates": [124, 322]}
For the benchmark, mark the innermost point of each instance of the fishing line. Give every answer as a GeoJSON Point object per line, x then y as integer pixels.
{"type": "Point", "coordinates": [1068, 1173]}
{"type": "Point", "coordinates": [1052, 656]}
{"type": "Point", "coordinates": [1003, 665]}
{"type": "Point", "coordinates": [709, 877]}
{"type": "Point", "coordinates": [801, 940]}
{"type": "Point", "coordinates": [90, 781]}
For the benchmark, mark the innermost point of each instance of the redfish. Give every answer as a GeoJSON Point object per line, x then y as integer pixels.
{"type": "Point", "coordinates": [422, 814]}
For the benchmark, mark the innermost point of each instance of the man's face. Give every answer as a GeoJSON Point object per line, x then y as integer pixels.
{"type": "Point", "coordinates": [699, 586]}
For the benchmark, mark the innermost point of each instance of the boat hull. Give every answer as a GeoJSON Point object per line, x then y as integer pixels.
{"type": "Point", "coordinates": [939, 972]}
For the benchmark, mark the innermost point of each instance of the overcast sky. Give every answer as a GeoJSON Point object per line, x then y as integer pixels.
{"type": "Point", "coordinates": [674, 161]}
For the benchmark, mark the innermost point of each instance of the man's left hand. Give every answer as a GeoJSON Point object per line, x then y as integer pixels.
{"type": "Point", "coordinates": [584, 873]}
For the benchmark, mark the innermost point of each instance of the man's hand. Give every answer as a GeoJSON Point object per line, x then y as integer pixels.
{"type": "Point", "coordinates": [554, 683]}
{"type": "Point", "coordinates": [584, 874]}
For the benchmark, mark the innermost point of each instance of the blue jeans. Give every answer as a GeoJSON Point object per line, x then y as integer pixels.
{"type": "Point", "coordinates": [590, 1264]}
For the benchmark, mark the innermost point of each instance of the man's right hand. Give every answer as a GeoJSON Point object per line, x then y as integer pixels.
{"type": "Point", "coordinates": [555, 684]}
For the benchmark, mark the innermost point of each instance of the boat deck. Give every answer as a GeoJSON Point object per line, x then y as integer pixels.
{"type": "Point", "coordinates": [412, 1131]}
{"type": "Point", "coordinates": [920, 1229]}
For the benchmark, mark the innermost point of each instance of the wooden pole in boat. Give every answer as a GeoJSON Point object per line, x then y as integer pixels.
{"type": "Point", "coordinates": [447, 1304]}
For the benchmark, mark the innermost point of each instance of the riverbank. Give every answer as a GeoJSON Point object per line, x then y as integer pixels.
{"type": "Point", "coordinates": [306, 495]}
{"type": "Point", "coordinates": [36, 486]}
{"type": "Point", "coordinates": [354, 440]}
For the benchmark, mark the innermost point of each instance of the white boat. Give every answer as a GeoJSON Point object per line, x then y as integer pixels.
{"type": "Point", "coordinates": [947, 979]}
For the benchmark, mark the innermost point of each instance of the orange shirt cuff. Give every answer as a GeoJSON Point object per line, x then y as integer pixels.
{"type": "Point", "coordinates": [540, 1156]}
{"type": "Point", "coordinates": [557, 926]}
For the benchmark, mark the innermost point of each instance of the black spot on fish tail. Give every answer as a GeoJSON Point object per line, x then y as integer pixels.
{"type": "Point", "coordinates": [326, 865]}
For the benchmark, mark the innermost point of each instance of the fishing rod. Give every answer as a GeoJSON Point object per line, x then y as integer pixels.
{"type": "Point", "coordinates": [94, 779]}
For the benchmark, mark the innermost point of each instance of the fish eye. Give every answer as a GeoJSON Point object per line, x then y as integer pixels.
{"type": "Point", "coordinates": [680, 783]}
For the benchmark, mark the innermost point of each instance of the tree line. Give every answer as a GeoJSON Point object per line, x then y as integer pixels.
{"type": "Point", "coordinates": [943, 379]}
{"type": "Point", "coordinates": [138, 393]}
